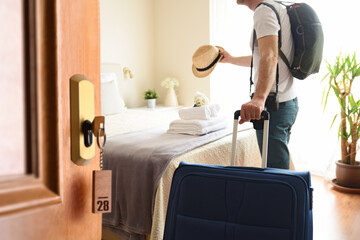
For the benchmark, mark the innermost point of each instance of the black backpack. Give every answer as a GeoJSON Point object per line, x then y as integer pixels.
{"type": "Point", "coordinates": [308, 39]}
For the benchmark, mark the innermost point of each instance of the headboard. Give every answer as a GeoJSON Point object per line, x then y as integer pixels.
{"type": "Point", "coordinates": [126, 85]}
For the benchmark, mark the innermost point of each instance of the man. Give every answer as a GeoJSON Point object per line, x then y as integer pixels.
{"type": "Point", "coordinates": [265, 60]}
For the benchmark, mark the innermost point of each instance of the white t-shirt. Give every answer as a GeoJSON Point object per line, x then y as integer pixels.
{"type": "Point", "coordinates": [265, 24]}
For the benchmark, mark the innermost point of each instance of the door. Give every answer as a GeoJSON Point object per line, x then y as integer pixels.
{"type": "Point", "coordinates": [43, 194]}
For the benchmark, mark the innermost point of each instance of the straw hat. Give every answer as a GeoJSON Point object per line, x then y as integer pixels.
{"type": "Point", "coordinates": [205, 59]}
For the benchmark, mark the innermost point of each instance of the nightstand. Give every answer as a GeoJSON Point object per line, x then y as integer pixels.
{"type": "Point", "coordinates": [160, 108]}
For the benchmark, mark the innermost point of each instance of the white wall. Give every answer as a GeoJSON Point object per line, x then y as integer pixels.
{"type": "Point", "coordinates": [156, 39]}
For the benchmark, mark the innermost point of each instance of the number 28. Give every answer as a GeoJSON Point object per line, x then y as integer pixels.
{"type": "Point", "coordinates": [103, 205]}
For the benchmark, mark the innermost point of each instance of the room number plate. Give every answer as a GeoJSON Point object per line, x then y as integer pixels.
{"type": "Point", "coordinates": [101, 191]}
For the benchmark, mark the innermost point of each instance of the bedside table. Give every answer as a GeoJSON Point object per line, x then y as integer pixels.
{"type": "Point", "coordinates": [160, 108]}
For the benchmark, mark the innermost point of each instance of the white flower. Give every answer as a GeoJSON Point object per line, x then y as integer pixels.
{"type": "Point", "coordinates": [170, 82]}
{"type": "Point", "coordinates": [200, 99]}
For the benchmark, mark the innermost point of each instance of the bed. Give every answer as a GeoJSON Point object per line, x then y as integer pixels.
{"type": "Point", "coordinates": [122, 122]}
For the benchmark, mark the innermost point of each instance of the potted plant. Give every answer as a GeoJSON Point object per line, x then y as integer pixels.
{"type": "Point", "coordinates": [341, 76]}
{"type": "Point", "coordinates": [150, 95]}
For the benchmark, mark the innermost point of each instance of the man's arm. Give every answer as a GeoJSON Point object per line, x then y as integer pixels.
{"type": "Point", "coordinates": [243, 61]}
{"type": "Point", "coordinates": [268, 49]}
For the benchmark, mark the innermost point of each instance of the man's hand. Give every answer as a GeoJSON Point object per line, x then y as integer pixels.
{"type": "Point", "coordinates": [251, 110]}
{"type": "Point", "coordinates": [243, 61]}
{"type": "Point", "coordinates": [226, 57]}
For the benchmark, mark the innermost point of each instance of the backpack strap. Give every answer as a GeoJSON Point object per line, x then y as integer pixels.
{"type": "Point", "coordinates": [283, 3]}
{"type": "Point", "coordinates": [252, 60]}
{"type": "Point", "coordinates": [284, 58]}
{"type": "Point", "coordinates": [281, 53]}
{"type": "Point", "coordinates": [278, 18]}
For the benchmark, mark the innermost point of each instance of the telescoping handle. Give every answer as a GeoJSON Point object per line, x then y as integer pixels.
{"type": "Point", "coordinates": [264, 116]}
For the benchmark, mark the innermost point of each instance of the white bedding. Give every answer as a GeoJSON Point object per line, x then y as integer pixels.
{"type": "Point", "coordinates": [218, 153]}
{"type": "Point", "coordinates": [130, 120]}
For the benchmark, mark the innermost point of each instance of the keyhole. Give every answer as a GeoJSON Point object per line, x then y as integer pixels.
{"type": "Point", "coordinates": [88, 135]}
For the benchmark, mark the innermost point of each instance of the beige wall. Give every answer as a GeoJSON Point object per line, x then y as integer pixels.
{"type": "Point", "coordinates": [180, 28]}
{"type": "Point", "coordinates": [156, 39]}
{"type": "Point", "coordinates": [127, 38]}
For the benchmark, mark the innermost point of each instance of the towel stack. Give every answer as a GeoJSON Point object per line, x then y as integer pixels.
{"type": "Point", "coordinates": [198, 120]}
{"type": "Point", "coordinates": [200, 113]}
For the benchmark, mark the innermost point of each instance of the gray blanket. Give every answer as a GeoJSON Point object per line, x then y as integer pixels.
{"type": "Point", "coordinates": [138, 161]}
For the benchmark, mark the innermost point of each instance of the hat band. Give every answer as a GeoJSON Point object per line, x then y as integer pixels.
{"type": "Point", "coordinates": [211, 65]}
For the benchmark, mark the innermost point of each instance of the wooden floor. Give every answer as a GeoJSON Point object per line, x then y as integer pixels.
{"type": "Point", "coordinates": [336, 214]}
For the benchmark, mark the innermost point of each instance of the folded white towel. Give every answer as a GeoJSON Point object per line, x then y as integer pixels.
{"type": "Point", "coordinates": [201, 113]}
{"type": "Point", "coordinates": [197, 127]}
{"type": "Point", "coordinates": [214, 109]}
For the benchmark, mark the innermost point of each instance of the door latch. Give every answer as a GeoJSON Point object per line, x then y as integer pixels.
{"type": "Point", "coordinates": [84, 124]}
{"type": "Point", "coordinates": [87, 131]}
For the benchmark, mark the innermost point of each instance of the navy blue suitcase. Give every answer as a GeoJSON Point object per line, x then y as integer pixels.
{"type": "Point", "coordinates": [217, 202]}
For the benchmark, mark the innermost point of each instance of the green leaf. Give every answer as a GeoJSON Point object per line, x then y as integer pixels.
{"type": "Point", "coordinates": [342, 105]}
{"type": "Point", "coordinates": [347, 61]}
{"type": "Point", "coordinates": [333, 120]}
{"type": "Point", "coordinates": [336, 90]}
{"type": "Point", "coordinates": [323, 99]}
{"type": "Point", "coordinates": [352, 101]}
{"type": "Point", "coordinates": [326, 98]}
{"type": "Point", "coordinates": [356, 73]}
{"type": "Point", "coordinates": [343, 135]}
{"type": "Point", "coordinates": [325, 76]}
{"type": "Point", "coordinates": [354, 59]}
{"type": "Point", "coordinates": [340, 69]}
{"type": "Point", "coordinates": [351, 124]}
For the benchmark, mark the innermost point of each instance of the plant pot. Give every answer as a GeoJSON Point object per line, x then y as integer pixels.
{"type": "Point", "coordinates": [348, 175]}
{"type": "Point", "coordinates": [151, 103]}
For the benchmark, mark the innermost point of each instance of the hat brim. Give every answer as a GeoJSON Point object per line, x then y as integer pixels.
{"type": "Point", "coordinates": [201, 74]}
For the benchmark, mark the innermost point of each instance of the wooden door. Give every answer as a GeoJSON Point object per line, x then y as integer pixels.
{"type": "Point", "coordinates": [43, 194]}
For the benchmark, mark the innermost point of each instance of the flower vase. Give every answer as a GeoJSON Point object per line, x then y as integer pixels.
{"type": "Point", "coordinates": [171, 98]}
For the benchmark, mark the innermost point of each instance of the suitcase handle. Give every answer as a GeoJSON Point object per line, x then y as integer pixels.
{"type": "Point", "coordinates": [264, 116]}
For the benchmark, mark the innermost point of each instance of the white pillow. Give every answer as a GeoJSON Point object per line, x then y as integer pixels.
{"type": "Point", "coordinates": [108, 77]}
{"type": "Point", "coordinates": [111, 101]}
